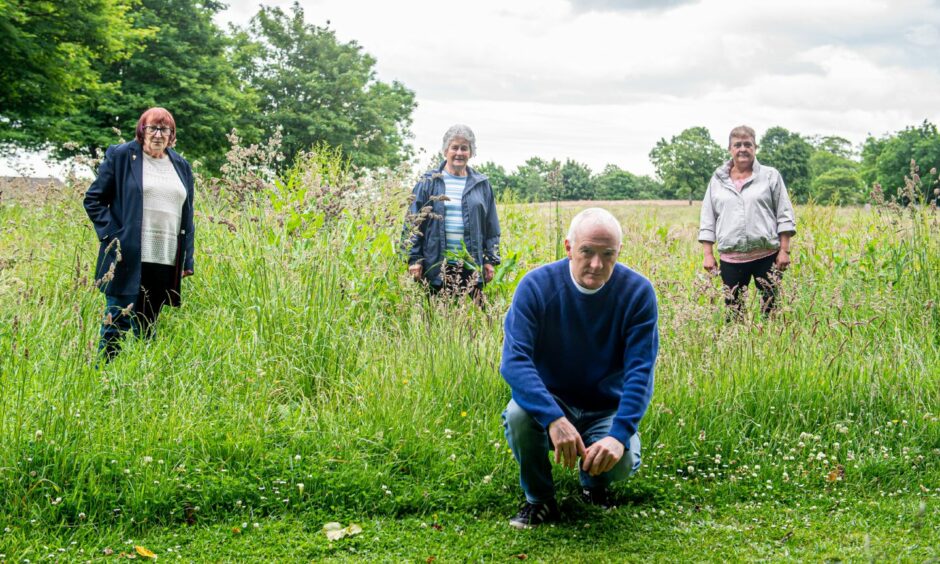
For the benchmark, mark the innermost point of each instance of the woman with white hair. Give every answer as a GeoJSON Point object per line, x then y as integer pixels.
{"type": "Point", "coordinates": [453, 220]}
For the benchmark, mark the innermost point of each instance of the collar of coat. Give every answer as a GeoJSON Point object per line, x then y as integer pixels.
{"type": "Point", "coordinates": [438, 172]}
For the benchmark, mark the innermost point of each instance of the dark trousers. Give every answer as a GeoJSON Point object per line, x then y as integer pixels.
{"type": "Point", "coordinates": [459, 281]}
{"type": "Point", "coordinates": [737, 275]}
{"type": "Point", "coordinates": [136, 312]}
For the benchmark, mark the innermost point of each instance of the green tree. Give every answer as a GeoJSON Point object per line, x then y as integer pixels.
{"type": "Point", "coordinates": [52, 54]}
{"type": "Point", "coordinates": [835, 177]}
{"type": "Point", "coordinates": [838, 186]}
{"type": "Point", "coordinates": [614, 183]}
{"type": "Point", "coordinates": [789, 153]}
{"type": "Point", "coordinates": [686, 163]}
{"type": "Point", "coordinates": [184, 67]}
{"type": "Point", "coordinates": [835, 145]}
{"type": "Point", "coordinates": [499, 178]}
{"type": "Point", "coordinates": [317, 89]}
{"type": "Point", "coordinates": [537, 180]}
{"type": "Point", "coordinates": [888, 160]}
{"type": "Point", "coordinates": [576, 181]}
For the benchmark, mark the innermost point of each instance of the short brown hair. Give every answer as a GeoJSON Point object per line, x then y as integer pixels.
{"type": "Point", "coordinates": [741, 132]}
{"type": "Point", "coordinates": [157, 116]}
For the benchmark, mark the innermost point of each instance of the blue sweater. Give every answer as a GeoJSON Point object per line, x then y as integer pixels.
{"type": "Point", "coordinates": [595, 352]}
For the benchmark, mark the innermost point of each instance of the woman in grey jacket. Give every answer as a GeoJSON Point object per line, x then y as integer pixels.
{"type": "Point", "coordinates": [453, 222]}
{"type": "Point", "coordinates": [748, 213]}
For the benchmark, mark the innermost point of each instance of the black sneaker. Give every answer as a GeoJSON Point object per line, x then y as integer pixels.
{"type": "Point", "coordinates": [534, 514]}
{"type": "Point", "coordinates": [597, 496]}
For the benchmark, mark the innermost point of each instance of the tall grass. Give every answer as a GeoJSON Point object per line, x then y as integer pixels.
{"type": "Point", "coordinates": [306, 373]}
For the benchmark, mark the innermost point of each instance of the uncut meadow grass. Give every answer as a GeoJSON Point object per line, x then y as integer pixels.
{"type": "Point", "coordinates": [306, 374]}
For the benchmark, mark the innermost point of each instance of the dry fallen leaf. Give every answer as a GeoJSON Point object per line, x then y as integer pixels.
{"type": "Point", "coordinates": [145, 552]}
{"type": "Point", "coordinates": [335, 531]}
{"type": "Point", "coordinates": [836, 474]}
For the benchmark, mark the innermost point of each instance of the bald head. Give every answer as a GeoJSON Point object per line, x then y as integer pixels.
{"type": "Point", "coordinates": [592, 218]}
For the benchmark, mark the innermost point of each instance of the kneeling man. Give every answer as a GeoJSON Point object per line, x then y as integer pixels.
{"type": "Point", "coordinates": [581, 340]}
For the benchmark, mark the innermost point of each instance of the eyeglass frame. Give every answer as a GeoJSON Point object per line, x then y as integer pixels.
{"type": "Point", "coordinates": [164, 130]}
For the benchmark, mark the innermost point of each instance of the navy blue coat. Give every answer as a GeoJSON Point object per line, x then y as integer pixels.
{"type": "Point", "coordinates": [115, 204]}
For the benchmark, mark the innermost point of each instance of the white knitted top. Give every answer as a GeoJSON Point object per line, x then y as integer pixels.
{"type": "Point", "coordinates": [164, 195]}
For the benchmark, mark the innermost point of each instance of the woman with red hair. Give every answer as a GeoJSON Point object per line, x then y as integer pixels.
{"type": "Point", "coordinates": [141, 205]}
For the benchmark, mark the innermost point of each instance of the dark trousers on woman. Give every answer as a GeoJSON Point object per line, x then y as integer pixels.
{"type": "Point", "coordinates": [459, 281]}
{"type": "Point", "coordinates": [737, 275]}
{"type": "Point", "coordinates": [136, 312]}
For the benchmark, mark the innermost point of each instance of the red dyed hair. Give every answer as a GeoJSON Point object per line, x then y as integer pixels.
{"type": "Point", "coordinates": [157, 116]}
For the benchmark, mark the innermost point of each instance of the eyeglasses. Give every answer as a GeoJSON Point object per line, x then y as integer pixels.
{"type": "Point", "coordinates": [745, 144]}
{"type": "Point", "coordinates": [161, 129]}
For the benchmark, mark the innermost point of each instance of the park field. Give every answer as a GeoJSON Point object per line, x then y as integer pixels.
{"type": "Point", "coordinates": [306, 380]}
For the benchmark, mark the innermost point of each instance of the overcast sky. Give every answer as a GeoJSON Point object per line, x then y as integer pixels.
{"type": "Point", "coordinates": [600, 81]}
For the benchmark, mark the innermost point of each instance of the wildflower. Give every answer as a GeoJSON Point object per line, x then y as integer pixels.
{"type": "Point", "coordinates": [487, 479]}
{"type": "Point", "coordinates": [38, 434]}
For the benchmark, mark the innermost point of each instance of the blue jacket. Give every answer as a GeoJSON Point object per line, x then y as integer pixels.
{"type": "Point", "coordinates": [480, 222]}
{"type": "Point", "coordinates": [115, 204]}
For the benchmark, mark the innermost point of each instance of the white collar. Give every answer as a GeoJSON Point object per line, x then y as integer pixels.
{"type": "Point", "coordinates": [582, 289]}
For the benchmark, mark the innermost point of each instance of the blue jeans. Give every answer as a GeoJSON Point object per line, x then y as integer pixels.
{"type": "Point", "coordinates": [115, 323]}
{"type": "Point", "coordinates": [530, 445]}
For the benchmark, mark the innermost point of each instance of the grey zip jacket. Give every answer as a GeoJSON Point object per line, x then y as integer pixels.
{"type": "Point", "coordinates": [749, 220]}
{"type": "Point", "coordinates": [480, 223]}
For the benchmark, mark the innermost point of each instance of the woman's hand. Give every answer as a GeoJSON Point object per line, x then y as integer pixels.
{"type": "Point", "coordinates": [709, 264]}
{"type": "Point", "coordinates": [416, 270]}
{"type": "Point", "coordinates": [708, 260]}
{"type": "Point", "coordinates": [782, 261]}
{"type": "Point", "coordinates": [489, 271]}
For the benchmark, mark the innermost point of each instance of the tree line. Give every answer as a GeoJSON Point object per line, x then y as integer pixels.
{"type": "Point", "coordinates": [821, 169]}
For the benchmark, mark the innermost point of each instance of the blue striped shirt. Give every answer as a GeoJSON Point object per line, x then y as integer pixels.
{"type": "Point", "coordinates": [453, 211]}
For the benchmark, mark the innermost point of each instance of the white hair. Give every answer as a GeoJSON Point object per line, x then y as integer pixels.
{"type": "Point", "coordinates": [464, 132]}
{"type": "Point", "coordinates": [595, 216]}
